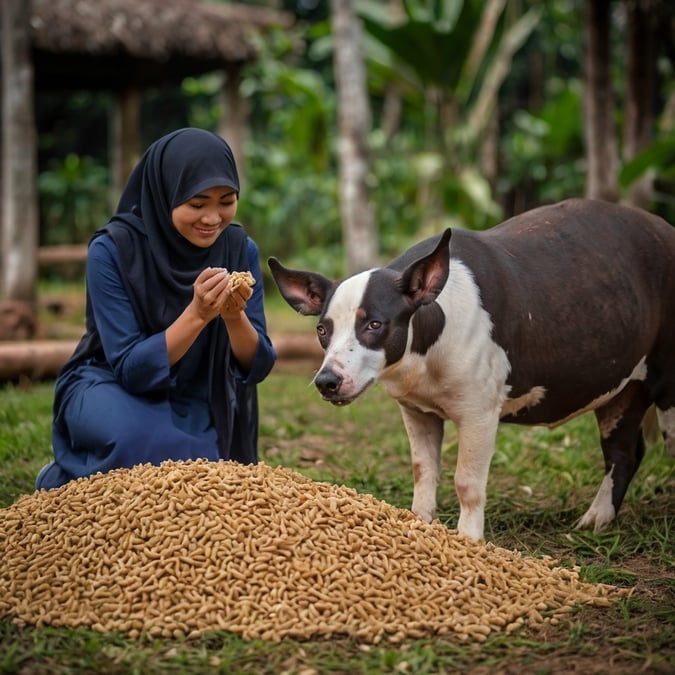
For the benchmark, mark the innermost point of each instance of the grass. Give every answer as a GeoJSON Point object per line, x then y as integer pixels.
{"type": "Point", "coordinates": [541, 482]}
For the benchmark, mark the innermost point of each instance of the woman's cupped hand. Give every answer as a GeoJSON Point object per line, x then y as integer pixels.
{"type": "Point", "coordinates": [214, 295]}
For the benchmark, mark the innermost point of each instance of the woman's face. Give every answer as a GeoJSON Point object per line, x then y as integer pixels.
{"type": "Point", "coordinates": [202, 218]}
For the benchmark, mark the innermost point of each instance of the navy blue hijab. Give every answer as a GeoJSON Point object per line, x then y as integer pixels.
{"type": "Point", "coordinates": [159, 264]}
{"type": "Point", "coordinates": [159, 267]}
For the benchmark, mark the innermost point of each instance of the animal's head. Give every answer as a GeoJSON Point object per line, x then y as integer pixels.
{"type": "Point", "coordinates": [365, 320]}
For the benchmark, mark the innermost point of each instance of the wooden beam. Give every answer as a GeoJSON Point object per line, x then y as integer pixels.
{"type": "Point", "coordinates": [62, 255]}
{"type": "Point", "coordinates": [34, 359]}
{"type": "Point", "coordinates": [42, 359]}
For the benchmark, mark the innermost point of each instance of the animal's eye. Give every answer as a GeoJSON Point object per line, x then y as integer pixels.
{"type": "Point", "coordinates": [374, 325]}
{"type": "Point", "coordinates": [321, 330]}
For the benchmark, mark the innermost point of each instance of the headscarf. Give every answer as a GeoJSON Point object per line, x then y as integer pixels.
{"type": "Point", "coordinates": [159, 266]}
{"type": "Point", "coordinates": [164, 266]}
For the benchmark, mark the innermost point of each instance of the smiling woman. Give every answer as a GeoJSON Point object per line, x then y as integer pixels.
{"type": "Point", "coordinates": [204, 216]}
{"type": "Point", "coordinates": [173, 351]}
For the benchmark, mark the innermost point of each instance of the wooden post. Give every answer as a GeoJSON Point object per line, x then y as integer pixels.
{"type": "Point", "coordinates": [599, 128]}
{"type": "Point", "coordinates": [19, 214]}
{"type": "Point", "coordinates": [125, 144]}
{"type": "Point", "coordinates": [233, 124]}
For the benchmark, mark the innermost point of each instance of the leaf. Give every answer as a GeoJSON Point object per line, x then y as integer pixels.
{"type": "Point", "coordinates": [434, 50]}
{"type": "Point", "coordinates": [513, 40]}
{"type": "Point", "coordinates": [659, 155]}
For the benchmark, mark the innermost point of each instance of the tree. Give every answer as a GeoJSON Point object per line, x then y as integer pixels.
{"type": "Point", "coordinates": [599, 129]}
{"type": "Point", "coordinates": [451, 59]}
{"type": "Point", "coordinates": [643, 20]}
{"type": "Point", "coordinates": [19, 216]}
{"type": "Point", "coordinates": [642, 28]}
{"type": "Point", "coordinates": [354, 121]}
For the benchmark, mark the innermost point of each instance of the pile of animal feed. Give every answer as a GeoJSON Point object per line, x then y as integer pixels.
{"type": "Point", "coordinates": [186, 547]}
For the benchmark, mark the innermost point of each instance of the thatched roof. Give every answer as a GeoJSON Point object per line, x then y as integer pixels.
{"type": "Point", "coordinates": [113, 43]}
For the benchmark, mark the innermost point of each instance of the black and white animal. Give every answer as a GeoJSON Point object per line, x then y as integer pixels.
{"type": "Point", "coordinates": [558, 311]}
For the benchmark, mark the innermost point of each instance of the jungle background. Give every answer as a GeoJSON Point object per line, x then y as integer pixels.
{"type": "Point", "coordinates": [473, 111]}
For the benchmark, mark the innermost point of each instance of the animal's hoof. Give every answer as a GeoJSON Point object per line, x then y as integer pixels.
{"type": "Point", "coordinates": [595, 521]}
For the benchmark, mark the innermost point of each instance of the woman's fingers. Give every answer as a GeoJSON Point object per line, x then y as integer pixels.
{"type": "Point", "coordinates": [245, 291]}
{"type": "Point", "coordinates": [211, 290]}
{"type": "Point", "coordinates": [214, 293]}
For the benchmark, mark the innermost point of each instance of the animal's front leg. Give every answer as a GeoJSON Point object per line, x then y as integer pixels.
{"type": "Point", "coordinates": [425, 433]}
{"type": "Point", "coordinates": [476, 446]}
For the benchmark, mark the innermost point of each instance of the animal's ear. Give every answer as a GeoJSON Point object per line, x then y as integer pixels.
{"type": "Point", "coordinates": [305, 292]}
{"type": "Point", "coordinates": [423, 280]}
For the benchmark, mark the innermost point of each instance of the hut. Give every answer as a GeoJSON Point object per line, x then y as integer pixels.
{"type": "Point", "coordinates": [125, 46]}
{"type": "Point", "coordinates": [121, 46]}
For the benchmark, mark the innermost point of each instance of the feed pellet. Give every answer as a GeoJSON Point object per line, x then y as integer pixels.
{"type": "Point", "coordinates": [186, 547]}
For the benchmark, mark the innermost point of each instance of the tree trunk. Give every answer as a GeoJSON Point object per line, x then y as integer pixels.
{"type": "Point", "coordinates": [354, 119]}
{"type": "Point", "coordinates": [19, 215]}
{"type": "Point", "coordinates": [640, 93]}
{"type": "Point", "coordinates": [125, 140]}
{"type": "Point", "coordinates": [233, 125]}
{"type": "Point", "coordinates": [599, 131]}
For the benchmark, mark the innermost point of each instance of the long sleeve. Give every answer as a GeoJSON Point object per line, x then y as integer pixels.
{"type": "Point", "coordinates": [139, 362]}
{"type": "Point", "coordinates": [265, 355]}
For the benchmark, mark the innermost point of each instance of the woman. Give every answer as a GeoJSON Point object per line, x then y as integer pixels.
{"type": "Point", "coordinates": [172, 353]}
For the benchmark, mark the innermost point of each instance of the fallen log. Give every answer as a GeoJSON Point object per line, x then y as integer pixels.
{"type": "Point", "coordinates": [298, 346]}
{"type": "Point", "coordinates": [34, 359]}
{"type": "Point", "coordinates": [65, 254]}
{"type": "Point", "coordinates": [42, 359]}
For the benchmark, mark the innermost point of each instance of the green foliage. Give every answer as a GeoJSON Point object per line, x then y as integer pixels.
{"type": "Point", "coordinates": [658, 157]}
{"type": "Point", "coordinates": [203, 93]}
{"type": "Point", "coordinates": [434, 40]}
{"type": "Point", "coordinates": [543, 153]}
{"type": "Point", "coordinates": [454, 57]}
{"type": "Point", "coordinates": [74, 199]}
{"type": "Point", "coordinates": [289, 202]}
{"type": "Point", "coordinates": [450, 66]}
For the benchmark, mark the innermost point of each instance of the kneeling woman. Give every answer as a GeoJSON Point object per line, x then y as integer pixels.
{"type": "Point", "coordinates": [172, 354]}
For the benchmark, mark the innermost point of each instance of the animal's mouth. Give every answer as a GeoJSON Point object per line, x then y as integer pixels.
{"type": "Point", "coordinates": [339, 399]}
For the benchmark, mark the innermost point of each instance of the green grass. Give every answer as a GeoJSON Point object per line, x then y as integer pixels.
{"type": "Point", "coordinates": [541, 482]}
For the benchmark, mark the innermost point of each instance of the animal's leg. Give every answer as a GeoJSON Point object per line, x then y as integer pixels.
{"type": "Point", "coordinates": [667, 425]}
{"type": "Point", "coordinates": [425, 433]}
{"type": "Point", "coordinates": [623, 447]}
{"type": "Point", "coordinates": [476, 447]}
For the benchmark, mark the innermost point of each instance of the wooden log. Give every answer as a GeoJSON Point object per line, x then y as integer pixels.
{"type": "Point", "coordinates": [42, 359]}
{"type": "Point", "coordinates": [34, 359]}
{"type": "Point", "coordinates": [300, 346]}
{"type": "Point", "coordinates": [62, 255]}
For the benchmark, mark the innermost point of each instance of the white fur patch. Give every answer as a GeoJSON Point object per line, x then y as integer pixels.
{"type": "Point", "coordinates": [601, 511]}
{"type": "Point", "coordinates": [358, 366]}
{"type": "Point", "coordinates": [512, 405]}
{"type": "Point", "coordinates": [443, 381]}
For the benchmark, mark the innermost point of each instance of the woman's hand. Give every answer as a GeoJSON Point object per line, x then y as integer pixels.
{"type": "Point", "coordinates": [243, 337]}
{"type": "Point", "coordinates": [213, 295]}
{"type": "Point", "coordinates": [235, 302]}
{"type": "Point", "coordinates": [211, 290]}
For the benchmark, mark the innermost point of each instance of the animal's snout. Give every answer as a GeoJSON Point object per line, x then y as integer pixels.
{"type": "Point", "coordinates": [328, 382]}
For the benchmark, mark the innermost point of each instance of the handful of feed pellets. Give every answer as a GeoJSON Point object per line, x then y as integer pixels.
{"type": "Point", "coordinates": [239, 278]}
{"type": "Point", "coordinates": [186, 547]}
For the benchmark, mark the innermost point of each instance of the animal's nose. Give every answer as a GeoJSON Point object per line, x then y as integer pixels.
{"type": "Point", "coordinates": [327, 381]}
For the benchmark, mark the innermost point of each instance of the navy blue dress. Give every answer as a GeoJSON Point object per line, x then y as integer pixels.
{"type": "Point", "coordinates": [117, 403]}
{"type": "Point", "coordinates": [132, 408]}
